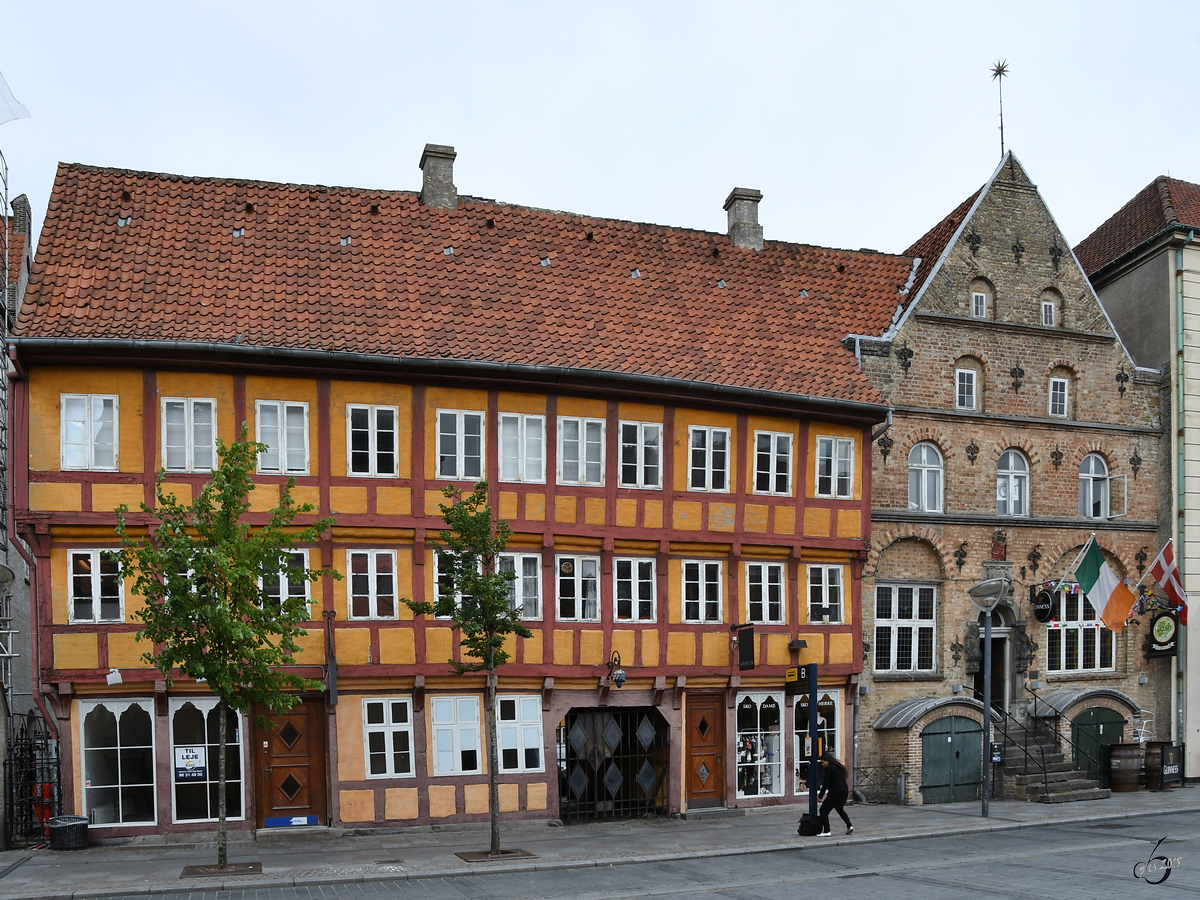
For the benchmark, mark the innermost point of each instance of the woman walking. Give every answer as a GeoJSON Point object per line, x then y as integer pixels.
{"type": "Point", "coordinates": [834, 792]}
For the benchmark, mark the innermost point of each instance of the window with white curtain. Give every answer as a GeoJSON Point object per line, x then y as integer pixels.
{"type": "Point", "coordinates": [925, 475]}
{"type": "Point", "coordinates": [522, 448]}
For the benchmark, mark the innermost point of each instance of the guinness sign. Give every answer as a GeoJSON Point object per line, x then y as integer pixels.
{"type": "Point", "coordinates": [1042, 602]}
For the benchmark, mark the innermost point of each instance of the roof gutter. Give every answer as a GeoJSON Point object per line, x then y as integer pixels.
{"type": "Point", "coordinates": [859, 409]}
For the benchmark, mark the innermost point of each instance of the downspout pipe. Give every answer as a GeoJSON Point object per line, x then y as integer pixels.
{"type": "Point", "coordinates": [1180, 405]}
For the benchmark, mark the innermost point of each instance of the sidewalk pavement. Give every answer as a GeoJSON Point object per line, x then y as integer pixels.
{"type": "Point", "coordinates": [311, 856]}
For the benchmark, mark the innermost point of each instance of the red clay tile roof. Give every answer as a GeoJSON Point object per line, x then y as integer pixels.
{"type": "Point", "coordinates": [929, 246]}
{"type": "Point", "coordinates": [376, 272]}
{"type": "Point", "coordinates": [16, 251]}
{"type": "Point", "coordinates": [1162, 204]}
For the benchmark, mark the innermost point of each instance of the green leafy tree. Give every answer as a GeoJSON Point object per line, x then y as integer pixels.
{"type": "Point", "coordinates": [203, 572]}
{"type": "Point", "coordinates": [475, 594]}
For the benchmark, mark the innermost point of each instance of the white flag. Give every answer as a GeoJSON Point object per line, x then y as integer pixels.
{"type": "Point", "coordinates": [9, 107]}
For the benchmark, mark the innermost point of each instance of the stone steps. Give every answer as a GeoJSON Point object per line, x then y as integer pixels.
{"type": "Point", "coordinates": [1095, 793]}
{"type": "Point", "coordinates": [1054, 773]}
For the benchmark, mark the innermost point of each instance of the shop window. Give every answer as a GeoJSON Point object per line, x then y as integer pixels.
{"type": "Point", "coordinates": [759, 757]}
{"type": "Point", "coordinates": [118, 762]}
{"type": "Point", "coordinates": [520, 732]}
{"type": "Point", "coordinates": [904, 627]}
{"type": "Point", "coordinates": [388, 737]}
{"type": "Point", "coordinates": [1076, 639]}
{"type": "Point", "coordinates": [195, 757]}
{"type": "Point", "coordinates": [455, 725]}
{"type": "Point", "coordinates": [828, 733]}
{"type": "Point", "coordinates": [89, 431]}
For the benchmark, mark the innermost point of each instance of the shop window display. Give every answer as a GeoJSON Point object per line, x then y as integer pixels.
{"type": "Point", "coordinates": [759, 758]}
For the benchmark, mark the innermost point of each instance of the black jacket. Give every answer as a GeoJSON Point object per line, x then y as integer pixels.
{"type": "Point", "coordinates": [833, 782]}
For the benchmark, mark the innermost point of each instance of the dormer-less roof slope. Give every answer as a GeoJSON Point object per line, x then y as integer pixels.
{"type": "Point", "coordinates": [16, 250]}
{"type": "Point", "coordinates": [1162, 204]}
{"type": "Point", "coordinates": [930, 246]}
{"type": "Point", "coordinates": [142, 256]}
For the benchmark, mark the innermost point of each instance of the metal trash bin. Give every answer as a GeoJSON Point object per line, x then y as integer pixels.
{"type": "Point", "coordinates": [68, 833]}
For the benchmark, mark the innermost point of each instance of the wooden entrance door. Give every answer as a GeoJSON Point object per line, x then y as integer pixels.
{"type": "Point", "coordinates": [290, 776]}
{"type": "Point", "coordinates": [1093, 733]}
{"type": "Point", "coordinates": [951, 766]}
{"type": "Point", "coordinates": [706, 752]}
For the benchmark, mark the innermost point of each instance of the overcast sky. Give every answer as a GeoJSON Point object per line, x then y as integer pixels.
{"type": "Point", "coordinates": [863, 124]}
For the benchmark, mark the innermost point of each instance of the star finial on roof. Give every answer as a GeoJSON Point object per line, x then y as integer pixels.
{"type": "Point", "coordinates": [999, 70]}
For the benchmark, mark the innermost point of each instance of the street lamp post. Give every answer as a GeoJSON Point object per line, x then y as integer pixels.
{"type": "Point", "coordinates": [986, 596]}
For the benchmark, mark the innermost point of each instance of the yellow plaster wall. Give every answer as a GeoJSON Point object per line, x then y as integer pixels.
{"type": "Point", "coordinates": [433, 501]}
{"type": "Point", "coordinates": [182, 492]}
{"type": "Point", "coordinates": [510, 798]}
{"type": "Point", "coordinates": [76, 651]}
{"type": "Point", "coordinates": [650, 648]}
{"type": "Point", "coordinates": [357, 806]}
{"type": "Point", "coordinates": [654, 513]}
{"type": "Point", "coordinates": [397, 646]}
{"type": "Point", "coordinates": [508, 505]}
{"type": "Point", "coordinates": [777, 650]}
{"type": "Point", "coordinates": [815, 651]}
{"type": "Point", "coordinates": [312, 648]}
{"type": "Point", "coordinates": [593, 510]}
{"type": "Point", "coordinates": [348, 500]}
{"type": "Point", "coordinates": [393, 501]}
{"type": "Point", "coordinates": [564, 647]}
{"type": "Point", "coordinates": [688, 515]}
{"type": "Point", "coordinates": [531, 404]}
{"type": "Point", "coordinates": [565, 509]}
{"type": "Point", "coordinates": [475, 798]}
{"type": "Point", "coordinates": [816, 521]}
{"type": "Point", "coordinates": [715, 648]}
{"type": "Point", "coordinates": [353, 645]}
{"type": "Point", "coordinates": [626, 513]}
{"type": "Point", "coordinates": [841, 648]}
{"type": "Point", "coordinates": [307, 494]}
{"type": "Point", "coordinates": [259, 387]}
{"type": "Point", "coordinates": [400, 803]}
{"type": "Point", "coordinates": [365, 393]}
{"type": "Point", "coordinates": [45, 412]}
{"type": "Point", "coordinates": [351, 765]}
{"type": "Point", "coordinates": [439, 645]}
{"type": "Point", "coordinates": [535, 796]}
{"type": "Point", "coordinates": [623, 643]}
{"type": "Point", "coordinates": [457, 399]}
{"type": "Point", "coordinates": [264, 498]}
{"type": "Point", "coordinates": [639, 412]}
{"type": "Point", "coordinates": [591, 647]}
{"type": "Point", "coordinates": [531, 649]}
{"type": "Point", "coordinates": [442, 799]}
{"type": "Point", "coordinates": [200, 385]}
{"type": "Point", "coordinates": [681, 649]}
{"type": "Point", "coordinates": [684, 419]}
{"type": "Point", "coordinates": [824, 429]}
{"type": "Point", "coordinates": [754, 518]}
{"type": "Point", "coordinates": [125, 651]}
{"type": "Point", "coordinates": [785, 520]}
{"type": "Point", "coordinates": [583, 408]}
{"type": "Point", "coordinates": [107, 497]}
{"type": "Point", "coordinates": [849, 523]}
{"type": "Point", "coordinates": [55, 497]}
{"type": "Point", "coordinates": [535, 507]}
{"type": "Point", "coordinates": [721, 516]}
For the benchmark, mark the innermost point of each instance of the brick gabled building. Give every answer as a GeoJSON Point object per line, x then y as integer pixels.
{"type": "Point", "coordinates": [665, 418]}
{"type": "Point", "coordinates": [1020, 426]}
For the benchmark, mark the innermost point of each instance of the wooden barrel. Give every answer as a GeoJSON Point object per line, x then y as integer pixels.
{"type": "Point", "coordinates": [1154, 780]}
{"type": "Point", "coordinates": [1126, 762]}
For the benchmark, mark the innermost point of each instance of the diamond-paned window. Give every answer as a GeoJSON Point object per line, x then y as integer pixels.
{"type": "Point", "coordinates": [289, 734]}
{"type": "Point", "coordinates": [290, 786]}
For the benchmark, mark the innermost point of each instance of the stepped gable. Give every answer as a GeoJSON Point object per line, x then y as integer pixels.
{"type": "Point", "coordinates": [144, 256]}
{"type": "Point", "coordinates": [1163, 203]}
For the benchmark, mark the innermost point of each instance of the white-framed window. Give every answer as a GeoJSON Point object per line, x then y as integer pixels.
{"type": "Point", "coordinates": [189, 434]}
{"type": "Point", "coordinates": [580, 451]}
{"type": "Point", "coordinates": [520, 732]}
{"type": "Point", "coordinates": [443, 573]}
{"type": "Point", "coordinates": [460, 444]}
{"type": "Point", "coordinates": [825, 594]}
{"type": "Point", "coordinates": [965, 395]}
{"type": "Point", "coordinates": [372, 439]}
{"type": "Point", "coordinates": [772, 463]}
{"type": "Point", "coordinates": [283, 426]}
{"type": "Point", "coordinates": [766, 593]}
{"type": "Point", "coordinates": [1093, 487]}
{"type": "Point", "coordinates": [578, 588]}
{"type": "Point", "coordinates": [118, 761]}
{"type": "Point", "coordinates": [905, 627]}
{"type": "Point", "coordinates": [925, 474]}
{"type": "Point", "coordinates": [759, 750]}
{"type": "Point", "coordinates": [455, 725]}
{"type": "Point", "coordinates": [979, 304]}
{"type": "Point", "coordinates": [97, 591]}
{"type": "Point", "coordinates": [288, 583]}
{"type": "Point", "coordinates": [525, 591]}
{"type": "Point", "coordinates": [641, 454]}
{"type": "Point", "coordinates": [1076, 639]}
{"type": "Point", "coordinates": [388, 737]}
{"type": "Point", "coordinates": [828, 733]}
{"type": "Point", "coordinates": [522, 448]}
{"type": "Point", "coordinates": [1048, 313]}
{"type": "Point", "coordinates": [196, 756]}
{"type": "Point", "coordinates": [634, 590]}
{"type": "Point", "coordinates": [835, 467]}
{"type": "Point", "coordinates": [372, 584]}
{"type": "Point", "coordinates": [89, 431]}
{"type": "Point", "coordinates": [1012, 484]}
{"type": "Point", "coordinates": [708, 458]}
{"type": "Point", "coordinates": [702, 591]}
{"type": "Point", "coordinates": [1058, 397]}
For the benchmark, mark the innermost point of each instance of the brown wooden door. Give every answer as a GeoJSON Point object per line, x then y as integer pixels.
{"type": "Point", "coordinates": [706, 752]}
{"type": "Point", "coordinates": [290, 772]}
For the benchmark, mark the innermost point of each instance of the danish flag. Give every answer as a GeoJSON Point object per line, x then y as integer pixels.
{"type": "Point", "coordinates": [1166, 573]}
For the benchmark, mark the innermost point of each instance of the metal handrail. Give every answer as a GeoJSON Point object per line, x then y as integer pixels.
{"type": "Point", "coordinates": [1061, 714]}
{"type": "Point", "coordinates": [1024, 748]}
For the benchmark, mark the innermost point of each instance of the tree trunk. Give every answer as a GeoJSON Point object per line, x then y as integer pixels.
{"type": "Point", "coordinates": [222, 834]}
{"type": "Point", "coordinates": [493, 758]}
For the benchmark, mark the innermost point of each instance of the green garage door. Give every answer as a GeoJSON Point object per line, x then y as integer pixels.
{"type": "Point", "coordinates": [950, 760]}
{"type": "Point", "coordinates": [1093, 732]}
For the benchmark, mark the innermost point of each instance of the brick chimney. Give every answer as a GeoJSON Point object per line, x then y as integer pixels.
{"type": "Point", "coordinates": [437, 185]}
{"type": "Point", "coordinates": [742, 207]}
{"type": "Point", "coordinates": [21, 215]}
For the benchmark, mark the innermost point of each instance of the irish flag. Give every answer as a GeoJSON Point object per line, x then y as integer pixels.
{"type": "Point", "coordinates": [1108, 595]}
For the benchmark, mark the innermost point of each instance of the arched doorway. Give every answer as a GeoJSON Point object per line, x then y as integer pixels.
{"type": "Point", "coordinates": [1093, 732]}
{"type": "Point", "coordinates": [951, 749]}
